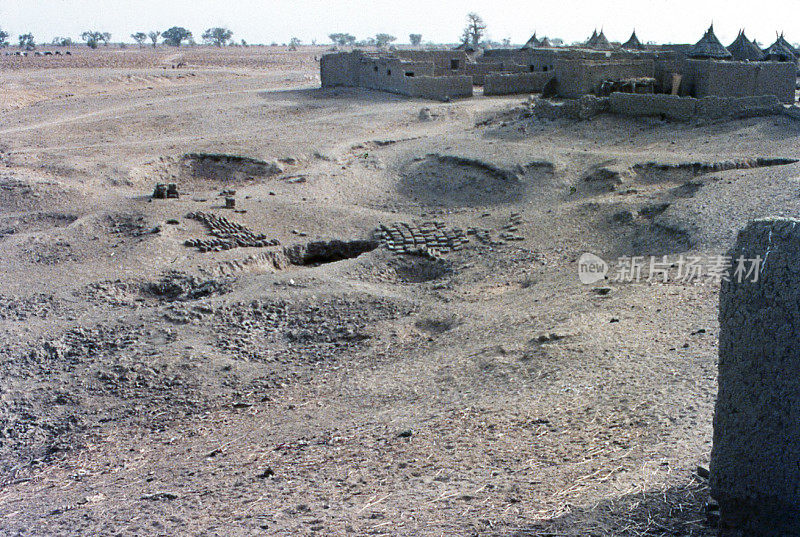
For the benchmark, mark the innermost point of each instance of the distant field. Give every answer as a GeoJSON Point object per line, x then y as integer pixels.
{"type": "Point", "coordinates": [163, 56]}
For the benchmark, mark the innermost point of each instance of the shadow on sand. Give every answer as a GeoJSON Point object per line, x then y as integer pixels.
{"type": "Point", "coordinates": [359, 95]}
{"type": "Point", "coordinates": [676, 511]}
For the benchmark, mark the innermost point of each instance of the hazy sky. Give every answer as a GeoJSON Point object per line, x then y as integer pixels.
{"type": "Point", "coordinates": [267, 21]}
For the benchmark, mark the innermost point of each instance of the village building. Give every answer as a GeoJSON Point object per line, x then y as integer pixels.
{"type": "Point", "coordinates": [705, 69]}
{"type": "Point", "coordinates": [632, 43]}
{"type": "Point", "coordinates": [744, 50]}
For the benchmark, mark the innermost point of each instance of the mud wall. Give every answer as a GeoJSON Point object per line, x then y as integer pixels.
{"type": "Point", "coordinates": [531, 59]}
{"type": "Point", "coordinates": [704, 78]}
{"type": "Point", "coordinates": [741, 107]}
{"type": "Point", "coordinates": [391, 74]}
{"type": "Point", "coordinates": [582, 77]}
{"type": "Point", "coordinates": [382, 74]}
{"type": "Point", "coordinates": [415, 78]}
{"type": "Point", "coordinates": [339, 69]}
{"type": "Point", "coordinates": [440, 87]}
{"type": "Point", "coordinates": [478, 71]}
{"type": "Point", "coordinates": [506, 84]}
{"type": "Point", "coordinates": [445, 62]}
{"type": "Point", "coordinates": [754, 460]}
{"type": "Point", "coordinates": [678, 108]}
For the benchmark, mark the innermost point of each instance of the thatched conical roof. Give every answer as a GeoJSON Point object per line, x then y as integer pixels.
{"type": "Point", "coordinates": [532, 42]}
{"type": "Point", "coordinates": [600, 42]}
{"type": "Point", "coordinates": [744, 50]}
{"type": "Point", "coordinates": [710, 47]}
{"type": "Point", "coordinates": [781, 50]}
{"type": "Point", "coordinates": [633, 43]}
{"type": "Point", "coordinates": [593, 39]}
{"type": "Point", "coordinates": [545, 42]}
{"type": "Point", "coordinates": [786, 44]}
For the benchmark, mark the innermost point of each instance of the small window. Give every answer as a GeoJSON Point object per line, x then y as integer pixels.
{"type": "Point", "coordinates": [376, 68]}
{"type": "Point", "coordinates": [453, 64]}
{"type": "Point", "coordinates": [388, 72]}
{"type": "Point", "coordinates": [409, 73]}
{"type": "Point", "coordinates": [544, 68]}
{"type": "Point", "coordinates": [533, 68]}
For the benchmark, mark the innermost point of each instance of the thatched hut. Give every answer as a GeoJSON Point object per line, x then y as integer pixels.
{"type": "Point", "coordinates": [709, 47]}
{"type": "Point", "coordinates": [781, 51]}
{"type": "Point", "coordinates": [633, 43]}
{"type": "Point", "coordinates": [599, 41]}
{"type": "Point", "coordinates": [532, 42]}
{"type": "Point", "coordinates": [744, 50]}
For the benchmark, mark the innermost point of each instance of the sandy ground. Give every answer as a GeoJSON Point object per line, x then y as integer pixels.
{"type": "Point", "coordinates": [150, 388]}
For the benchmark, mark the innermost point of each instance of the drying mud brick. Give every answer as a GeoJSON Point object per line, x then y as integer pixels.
{"type": "Point", "coordinates": [226, 234]}
{"type": "Point", "coordinates": [755, 470]}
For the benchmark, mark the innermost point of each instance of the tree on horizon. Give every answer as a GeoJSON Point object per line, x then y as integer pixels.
{"type": "Point", "coordinates": [217, 36]}
{"type": "Point", "coordinates": [176, 35]}
{"type": "Point", "coordinates": [474, 30]}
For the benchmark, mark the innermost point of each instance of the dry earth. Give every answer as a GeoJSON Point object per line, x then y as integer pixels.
{"type": "Point", "coordinates": [152, 388]}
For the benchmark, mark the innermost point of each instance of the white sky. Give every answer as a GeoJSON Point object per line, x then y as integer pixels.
{"type": "Point", "coordinates": [267, 21]}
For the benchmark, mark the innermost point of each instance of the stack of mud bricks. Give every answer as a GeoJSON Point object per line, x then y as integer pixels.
{"type": "Point", "coordinates": [164, 191]}
{"type": "Point", "coordinates": [227, 234]}
{"type": "Point", "coordinates": [755, 461]}
{"type": "Point", "coordinates": [429, 238]}
{"type": "Point", "coordinates": [511, 228]}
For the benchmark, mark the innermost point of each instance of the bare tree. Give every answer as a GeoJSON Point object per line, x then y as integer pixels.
{"type": "Point", "coordinates": [474, 30]}
{"type": "Point", "coordinates": [294, 43]}
{"type": "Point", "coordinates": [154, 37]}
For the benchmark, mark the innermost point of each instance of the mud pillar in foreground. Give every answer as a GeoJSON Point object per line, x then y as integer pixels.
{"type": "Point", "coordinates": [755, 461]}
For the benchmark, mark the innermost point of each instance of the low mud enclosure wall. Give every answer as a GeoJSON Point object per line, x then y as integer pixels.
{"type": "Point", "coordinates": [754, 461]}
{"type": "Point", "coordinates": [678, 108]}
{"type": "Point", "coordinates": [440, 87]}
{"type": "Point", "coordinates": [507, 84]}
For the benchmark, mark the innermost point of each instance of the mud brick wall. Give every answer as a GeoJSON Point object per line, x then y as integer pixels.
{"type": "Point", "coordinates": [703, 78]}
{"type": "Point", "coordinates": [532, 59]}
{"type": "Point", "coordinates": [391, 74]}
{"type": "Point", "coordinates": [440, 87]}
{"type": "Point", "coordinates": [506, 84]}
{"type": "Point", "coordinates": [340, 69]}
{"type": "Point", "coordinates": [442, 60]}
{"type": "Point", "coordinates": [677, 108]}
{"type": "Point", "coordinates": [479, 71]}
{"type": "Point", "coordinates": [581, 77]}
{"type": "Point", "coordinates": [755, 460]}
{"type": "Point", "coordinates": [669, 106]}
{"type": "Point", "coordinates": [717, 107]}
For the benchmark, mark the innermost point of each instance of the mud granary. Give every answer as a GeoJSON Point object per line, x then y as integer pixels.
{"type": "Point", "coordinates": [705, 69]}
